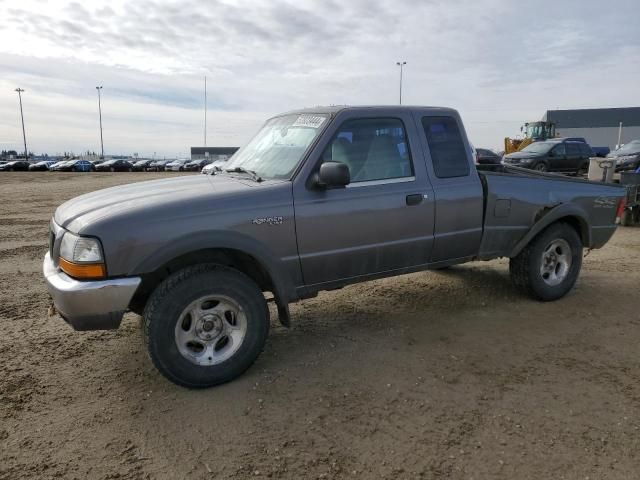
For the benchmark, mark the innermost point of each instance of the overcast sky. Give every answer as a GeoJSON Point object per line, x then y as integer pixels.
{"type": "Point", "coordinates": [499, 62]}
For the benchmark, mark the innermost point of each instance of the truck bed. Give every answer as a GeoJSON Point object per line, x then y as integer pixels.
{"type": "Point", "coordinates": [517, 199]}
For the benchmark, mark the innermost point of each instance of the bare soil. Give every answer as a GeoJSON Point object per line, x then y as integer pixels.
{"type": "Point", "coordinates": [443, 375]}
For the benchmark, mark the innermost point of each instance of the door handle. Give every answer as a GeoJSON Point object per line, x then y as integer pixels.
{"type": "Point", "coordinates": [414, 199]}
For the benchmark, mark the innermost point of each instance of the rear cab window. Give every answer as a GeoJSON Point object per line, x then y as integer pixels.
{"type": "Point", "coordinates": [448, 152]}
{"type": "Point", "coordinates": [586, 150]}
{"type": "Point", "coordinates": [573, 149]}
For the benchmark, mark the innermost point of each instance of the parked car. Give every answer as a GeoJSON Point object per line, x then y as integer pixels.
{"type": "Point", "coordinates": [141, 165]}
{"type": "Point", "coordinates": [627, 156]}
{"type": "Point", "coordinates": [56, 166]}
{"type": "Point", "coordinates": [557, 155]}
{"type": "Point", "coordinates": [176, 165]}
{"type": "Point", "coordinates": [484, 156]}
{"type": "Point", "coordinates": [15, 166]}
{"type": "Point", "coordinates": [114, 166]}
{"type": "Point", "coordinates": [218, 165]}
{"type": "Point", "coordinates": [76, 166]}
{"type": "Point", "coordinates": [196, 254]}
{"type": "Point", "coordinates": [157, 166]}
{"type": "Point", "coordinates": [42, 166]}
{"type": "Point", "coordinates": [196, 165]}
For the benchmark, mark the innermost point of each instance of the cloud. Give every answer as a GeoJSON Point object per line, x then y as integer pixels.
{"type": "Point", "coordinates": [499, 62]}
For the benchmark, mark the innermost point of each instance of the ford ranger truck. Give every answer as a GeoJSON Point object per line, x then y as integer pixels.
{"type": "Point", "coordinates": [318, 199]}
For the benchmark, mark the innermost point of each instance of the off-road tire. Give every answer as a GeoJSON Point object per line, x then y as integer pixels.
{"type": "Point", "coordinates": [167, 302]}
{"type": "Point", "coordinates": [525, 267]}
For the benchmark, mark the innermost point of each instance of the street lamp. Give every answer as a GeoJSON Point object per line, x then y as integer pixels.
{"type": "Point", "coordinates": [100, 114]}
{"type": "Point", "coordinates": [24, 136]}
{"type": "Point", "coordinates": [401, 65]}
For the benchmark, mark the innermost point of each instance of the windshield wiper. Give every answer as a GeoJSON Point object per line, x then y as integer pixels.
{"type": "Point", "coordinates": [253, 174]}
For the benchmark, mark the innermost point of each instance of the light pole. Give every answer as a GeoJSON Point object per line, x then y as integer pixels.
{"type": "Point", "coordinates": [100, 114]}
{"type": "Point", "coordinates": [401, 65]}
{"type": "Point", "coordinates": [24, 136]}
{"type": "Point", "coordinates": [205, 111]}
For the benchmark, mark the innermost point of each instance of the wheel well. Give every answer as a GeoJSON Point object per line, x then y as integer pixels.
{"type": "Point", "coordinates": [227, 257]}
{"type": "Point", "coordinates": [579, 226]}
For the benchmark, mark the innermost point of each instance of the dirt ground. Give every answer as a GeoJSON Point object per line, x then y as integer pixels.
{"type": "Point", "coordinates": [430, 375]}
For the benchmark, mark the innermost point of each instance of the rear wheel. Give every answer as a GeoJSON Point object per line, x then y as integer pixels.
{"type": "Point", "coordinates": [205, 325]}
{"type": "Point", "coordinates": [547, 268]}
{"type": "Point", "coordinates": [583, 170]}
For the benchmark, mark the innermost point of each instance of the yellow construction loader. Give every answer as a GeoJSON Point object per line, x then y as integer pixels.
{"type": "Point", "coordinates": [533, 132]}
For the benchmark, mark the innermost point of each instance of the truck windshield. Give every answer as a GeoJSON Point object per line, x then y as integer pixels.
{"type": "Point", "coordinates": [538, 147]}
{"type": "Point", "coordinates": [277, 148]}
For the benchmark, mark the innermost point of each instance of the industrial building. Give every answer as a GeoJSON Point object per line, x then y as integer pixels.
{"type": "Point", "coordinates": [599, 126]}
{"type": "Point", "coordinates": [212, 153]}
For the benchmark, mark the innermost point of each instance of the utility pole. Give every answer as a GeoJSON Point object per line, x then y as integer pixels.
{"type": "Point", "coordinates": [401, 65]}
{"type": "Point", "coordinates": [205, 111]}
{"type": "Point", "coordinates": [619, 135]}
{"type": "Point", "coordinates": [24, 135]}
{"type": "Point", "coordinates": [100, 114]}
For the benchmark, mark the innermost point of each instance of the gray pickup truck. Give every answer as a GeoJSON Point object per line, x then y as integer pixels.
{"type": "Point", "coordinates": [318, 199]}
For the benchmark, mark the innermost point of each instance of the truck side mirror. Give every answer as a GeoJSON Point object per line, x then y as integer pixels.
{"type": "Point", "coordinates": [333, 174]}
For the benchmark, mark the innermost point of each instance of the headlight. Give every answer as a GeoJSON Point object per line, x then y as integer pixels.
{"type": "Point", "coordinates": [81, 257]}
{"type": "Point", "coordinates": [80, 249]}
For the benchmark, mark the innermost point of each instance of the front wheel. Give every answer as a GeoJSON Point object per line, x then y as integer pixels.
{"type": "Point", "coordinates": [547, 268]}
{"type": "Point", "coordinates": [540, 167]}
{"type": "Point", "coordinates": [205, 325]}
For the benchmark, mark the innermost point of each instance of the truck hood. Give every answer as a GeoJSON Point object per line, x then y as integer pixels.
{"type": "Point", "coordinates": [150, 196]}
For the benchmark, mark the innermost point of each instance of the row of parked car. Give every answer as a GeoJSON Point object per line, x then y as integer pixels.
{"type": "Point", "coordinates": [114, 165]}
{"type": "Point", "coordinates": [564, 155]}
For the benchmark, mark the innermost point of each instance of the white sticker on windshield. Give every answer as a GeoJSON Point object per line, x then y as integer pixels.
{"type": "Point", "coordinates": [311, 121]}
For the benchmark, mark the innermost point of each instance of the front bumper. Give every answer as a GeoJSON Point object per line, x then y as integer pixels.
{"type": "Point", "coordinates": [89, 305]}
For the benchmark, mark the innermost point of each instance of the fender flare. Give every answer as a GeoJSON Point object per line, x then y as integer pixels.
{"type": "Point", "coordinates": [568, 211]}
{"type": "Point", "coordinates": [205, 240]}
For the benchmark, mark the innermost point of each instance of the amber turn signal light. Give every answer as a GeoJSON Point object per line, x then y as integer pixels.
{"type": "Point", "coordinates": [83, 271]}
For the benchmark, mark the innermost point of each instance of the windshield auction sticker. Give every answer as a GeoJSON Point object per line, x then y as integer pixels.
{"type": "Point", "coordinates": [310, 121]}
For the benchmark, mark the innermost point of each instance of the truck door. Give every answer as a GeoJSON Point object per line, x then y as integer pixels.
{"type": "Point", "coordinates": [383, 220]}
{"type": "Point", "coordinates": [558, 157]}
{"type": "Point", "coordinates": [574, 157]}
{"type": "Point", "coordinates": [459, 199]}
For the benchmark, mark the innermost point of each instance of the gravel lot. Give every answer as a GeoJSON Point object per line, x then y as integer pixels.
{"type": "Point", "coordinates": [429, 375]}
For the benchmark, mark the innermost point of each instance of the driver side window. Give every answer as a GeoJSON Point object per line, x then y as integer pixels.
{"type": "Point", "coordinates": [373, 149]}
{"type": "Point", "coordinates": [559, 150]}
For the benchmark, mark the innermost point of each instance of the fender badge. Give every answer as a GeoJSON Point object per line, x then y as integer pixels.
{"type": "Point", "coordinates": [604, 202]}
{"type": "Point", "coordinates": [267, 220]}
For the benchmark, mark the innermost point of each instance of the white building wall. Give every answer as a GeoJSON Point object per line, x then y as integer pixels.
{"type": "Point", "coordinates": [601, 136]}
